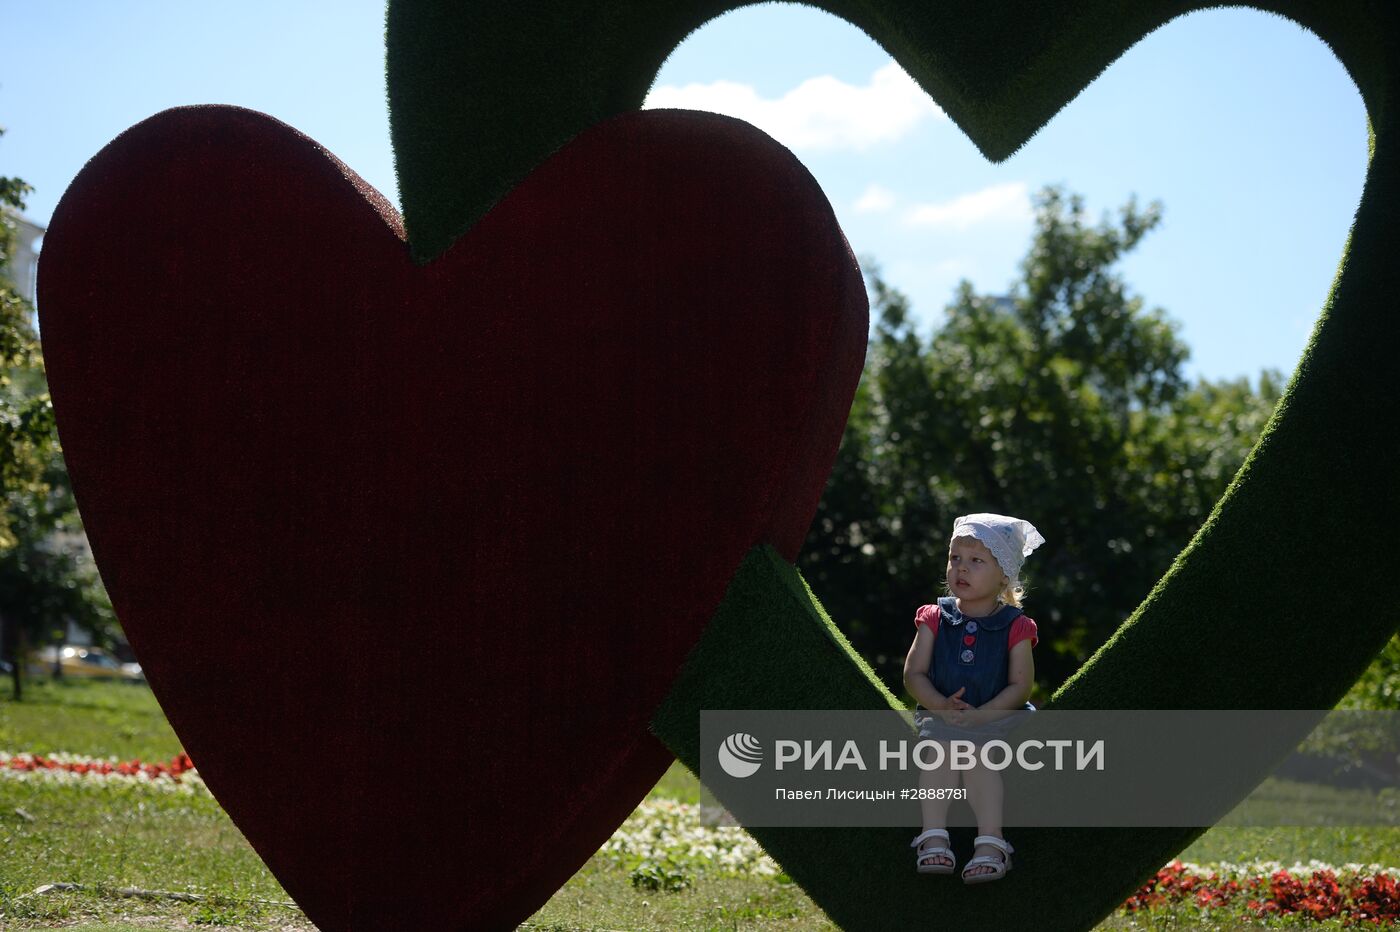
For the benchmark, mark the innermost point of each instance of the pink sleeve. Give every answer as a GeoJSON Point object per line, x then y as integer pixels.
{"type": "Point", "coordinates": [1022, 628]}
{"type": "Point", "coordinates": [928, 615]}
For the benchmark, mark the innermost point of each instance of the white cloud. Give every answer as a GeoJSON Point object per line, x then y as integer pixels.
{"type": "Point", "coordinates": [956, 267]}
{"type": "Point", "coordinates": [874, 200]}
{"type": "Point", "coordinates": [999, 203]}
{"type": "Point", "coordinates": [820, 113]}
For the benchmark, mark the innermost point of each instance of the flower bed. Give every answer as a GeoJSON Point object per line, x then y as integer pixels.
{"type": "Point", "coordinates": [663, 831]}
{"type": "Point", "coordinates": [177, 775]}
{"type": "Point", "coordinates": [1353, 894]}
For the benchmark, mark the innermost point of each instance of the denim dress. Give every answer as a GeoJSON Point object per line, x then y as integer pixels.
{"type": "Point", "coordinates": [970, 653]}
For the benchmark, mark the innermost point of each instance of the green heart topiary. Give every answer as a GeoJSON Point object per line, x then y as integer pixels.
{"type": "Point", "coordinates": [481, 93]}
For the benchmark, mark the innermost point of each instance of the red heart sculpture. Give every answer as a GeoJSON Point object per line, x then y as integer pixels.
{"type": "Point", "coordinates": [411, 554]}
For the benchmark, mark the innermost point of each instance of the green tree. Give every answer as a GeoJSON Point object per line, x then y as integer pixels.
{"type": "Point", "coordinates": [46, 577]}
{"type": "Point", "coordinates": [26, 425]}
{"type": "Point", "coordinates": [1064, 402]}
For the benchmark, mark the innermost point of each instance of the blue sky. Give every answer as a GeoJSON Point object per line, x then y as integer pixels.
{"type": "Point", "coordinates": [1244, 125]}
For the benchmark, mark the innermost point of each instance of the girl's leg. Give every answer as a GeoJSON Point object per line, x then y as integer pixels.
{"type": "Point", "coordinates": [935, 811]}
{"type": "Point", "coordinates": [985, 792]}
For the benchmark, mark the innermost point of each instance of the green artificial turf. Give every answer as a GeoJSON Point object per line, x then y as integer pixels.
{"type": "Point", "coordinates": [770, 646]}
{"type": "Point", "coordinates": [482, 93]}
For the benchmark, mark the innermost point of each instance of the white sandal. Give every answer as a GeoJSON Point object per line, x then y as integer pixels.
{"type": "Point", "coordinates": [999, 865]}
{"type": "Point", "coordinates": [923, 854]}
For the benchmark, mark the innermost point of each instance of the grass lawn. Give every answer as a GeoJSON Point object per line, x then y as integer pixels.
{"type": "Point", "coordinates": [112, 841]}
{"type": "Point", "coordinates": [98, 719]}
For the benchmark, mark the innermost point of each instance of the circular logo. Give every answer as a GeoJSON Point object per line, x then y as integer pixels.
{"type": "Point", "coordinates": [741, 755]}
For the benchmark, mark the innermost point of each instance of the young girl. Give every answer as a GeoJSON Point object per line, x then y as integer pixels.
{"type": "Point", "coordinates": [972, 650]}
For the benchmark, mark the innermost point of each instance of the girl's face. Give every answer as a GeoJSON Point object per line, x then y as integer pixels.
{"type": "Point", "coordinates": [973, 573]}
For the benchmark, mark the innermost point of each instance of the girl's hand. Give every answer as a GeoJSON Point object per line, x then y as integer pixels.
{"type": "Point", "coordinates": [954, 709]}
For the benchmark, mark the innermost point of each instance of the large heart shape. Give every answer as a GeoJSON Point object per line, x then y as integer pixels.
{"type": "Point", "coordinates": [1000, 71]}
{"type": "Point", "coordinates": [412, 554]}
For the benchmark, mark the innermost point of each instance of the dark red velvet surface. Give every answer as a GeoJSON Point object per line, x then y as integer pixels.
{"type": "Point", "coordinates": [412, 553]}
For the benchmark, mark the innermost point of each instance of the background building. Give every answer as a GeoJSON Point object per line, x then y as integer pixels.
{"type": "Point", "coordinates": [23, 269]}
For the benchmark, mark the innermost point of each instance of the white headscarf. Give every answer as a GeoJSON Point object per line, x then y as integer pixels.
{"type": "Point", "coordinates": [1009, 539]}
